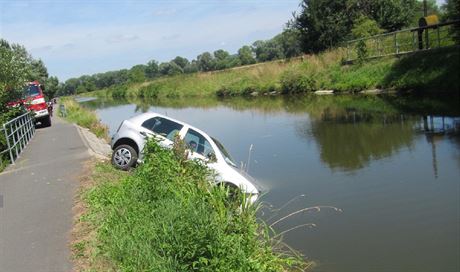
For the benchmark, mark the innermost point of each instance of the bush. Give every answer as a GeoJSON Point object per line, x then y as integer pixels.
{"type": "Point", "coordinates": [167, 216]}
{"type": "Point", "coordinates": [297, 81]}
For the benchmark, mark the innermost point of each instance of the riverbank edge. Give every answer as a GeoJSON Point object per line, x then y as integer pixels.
{"type": "Point", "coordinates": [99, 173]}
{"type": "Point", "coordinates": [424, 72]}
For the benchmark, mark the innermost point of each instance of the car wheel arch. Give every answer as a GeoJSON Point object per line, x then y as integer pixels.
{"type": "Point", "coordinates": [127, 141]}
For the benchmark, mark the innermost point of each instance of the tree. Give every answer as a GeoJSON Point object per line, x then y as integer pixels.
{"type": "Point", "coordinates": [181, 62]}
{"type": "Point", "coordinates": [37, 71]}
{"type": "Point", "coordinates": [325, 23]}
{"type": "Point", "coordinates": [365, 27]}
{"type": "Point", "coordinates": [289, 40]}
{"type": "Point", "coordinates": [192, 67]}
{"type": "Point", "coordinates": [246, 56]}
{"type": "Point", "coordinates": [393, 15]}
{"type": "Point", "coordinates": [267, 50]}
{"type": "Point", "coordinates": [137, 73]}
{"type": "Point", "coordinates": [51, 87]}
{"type": "Point", "coordinates": [222, 59]}
{"type": "Point", "coordinates": [152, 69]}
{"type": "Point", "coordinates": [452, 12]}
{"type": "Point", "coordinates": [170, 69]}
{"type": "Point", "coordinates": [206, 62]}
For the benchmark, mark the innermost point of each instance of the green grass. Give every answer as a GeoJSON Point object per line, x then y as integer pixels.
{"type": "Point", "coordinates": [166, 216]}
{"type": "Point", "coordinates": [84, 117]}
{"type": "Point", "coordinates": [430, 71]}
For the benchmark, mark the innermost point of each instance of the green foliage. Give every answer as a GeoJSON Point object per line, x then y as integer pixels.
{"type": "Point", "coordinates": [152, 69]}
{"type": "Point", "coordinates": [365, 27]}
{"type": "Point", "coordinates": [137, 73]}
{"type": "Point", "coordinates": [167, 216]}
{"type": "Point", "coordinates": [267, 50]}
{"type": "Point", "coordinates": [245, 55]}
{"type": "Point", "coordinates": [435, 71]}
{"type": "Point", "coordinates": [205, 62]}
{"type": "Point", "coordinates": [16, 67]}
{"type": "Point", "coordinates": [170, 69]}
{"type": "Point", "coordinates": [297, 81]}
{"type": "Point", "coordinates": [181, 62]}
{"type": "Point", "coordinates": [325, 23]}
{"type": "Point", "coordinates": [84, 117]}
{"type": "Point", "coordinates": [361, 50]}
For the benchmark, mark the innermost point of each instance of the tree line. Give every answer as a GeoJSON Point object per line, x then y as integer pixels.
{"type": "Point", "coordinates": [283, 45]}
{"type": "Point", "coordinates": [319, 25]}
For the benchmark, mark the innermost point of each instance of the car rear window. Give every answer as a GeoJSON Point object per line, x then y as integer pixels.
{"type": "Point", "coordinates": [163, 127]}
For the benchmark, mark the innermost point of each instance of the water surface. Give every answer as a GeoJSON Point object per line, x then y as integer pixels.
{"type": "Point", "coordinates": [391, 165]}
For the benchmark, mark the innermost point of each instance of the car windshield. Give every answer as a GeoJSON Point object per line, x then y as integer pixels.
{"type": "Point", "coordinates": [31, 90]}
{"type": "Point", "coordinates": [227, 157]}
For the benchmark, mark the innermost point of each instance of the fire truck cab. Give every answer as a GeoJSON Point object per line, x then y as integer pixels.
{"type": "Point", "coordinates": [34, 100]}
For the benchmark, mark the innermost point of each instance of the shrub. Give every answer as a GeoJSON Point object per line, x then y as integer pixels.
{"type": "Point", "coordinates": [167, 216]}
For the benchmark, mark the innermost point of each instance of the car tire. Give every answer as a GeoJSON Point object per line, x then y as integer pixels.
{"type": "Point", "coordinates": [47, 121]}
{"type": "Point", "coordinates": [124, 157]}
{"type": "Point", "coordinates": [233, 191]}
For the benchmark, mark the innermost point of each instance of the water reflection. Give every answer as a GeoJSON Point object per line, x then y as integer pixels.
{"type": "Point", "coordinates": [350, 146]}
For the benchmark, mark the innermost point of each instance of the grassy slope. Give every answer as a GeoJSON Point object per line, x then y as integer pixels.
{"type": "Point", "coordinates": [166, 216]}
{"type": "Point", "coordinates": [84, 117]}
{"type": "Point", "coordinates": [424, 71]}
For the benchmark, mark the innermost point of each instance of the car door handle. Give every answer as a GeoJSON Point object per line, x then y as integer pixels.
{"type": "Point", "coordinates": [143, 133]}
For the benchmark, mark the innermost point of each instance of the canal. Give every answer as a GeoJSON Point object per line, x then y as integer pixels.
{"type": "Point", "coordinates": [385, 170]}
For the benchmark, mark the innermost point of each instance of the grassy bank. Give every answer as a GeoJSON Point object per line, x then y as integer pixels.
{"type": "Point", "coordinates": [431, 71]}
{"type": "Point", "coordinates": [166, 216]}
{"type": "Point", "coordinates": [84, 117]}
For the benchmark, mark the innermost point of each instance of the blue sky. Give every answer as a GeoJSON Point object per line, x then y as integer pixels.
{"type": "Point", "coordinates": [74, 38]}
{"type": "Point", "coordinates": [85, 37]}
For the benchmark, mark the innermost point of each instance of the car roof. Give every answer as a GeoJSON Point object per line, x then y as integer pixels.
{"type": "Point", "coordinates": [139, 119]}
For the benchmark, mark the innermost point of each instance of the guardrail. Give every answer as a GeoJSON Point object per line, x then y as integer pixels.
{"type": "Point", "coordinates": [404, 41]}
{"type": "Point", "coordinates": [17, 133]}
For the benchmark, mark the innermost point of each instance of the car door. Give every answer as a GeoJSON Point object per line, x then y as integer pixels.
{"type": "Point", "coordinates": [161, 128]}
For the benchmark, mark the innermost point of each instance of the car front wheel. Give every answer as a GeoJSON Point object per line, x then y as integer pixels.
{"type": "Point", "coordinates": [124, 157]}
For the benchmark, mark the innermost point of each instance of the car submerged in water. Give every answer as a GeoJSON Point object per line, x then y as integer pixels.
{"type": "Point", "coordinates": [132, 134]}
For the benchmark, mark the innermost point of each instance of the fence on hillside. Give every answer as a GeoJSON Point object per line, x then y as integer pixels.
{"type": "Point", "coordinates": [17, 133]}
{"type": "Point", "coordinates": [405, 41]}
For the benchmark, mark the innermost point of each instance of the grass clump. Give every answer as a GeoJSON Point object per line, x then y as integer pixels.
{"type": "Point", "coordinates": [84, 117]}
{"type": "Point", "coordinates": [167, 216]}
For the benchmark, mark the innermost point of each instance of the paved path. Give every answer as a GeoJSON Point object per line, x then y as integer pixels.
{"type": "Point", "coordinates": [36, 198]}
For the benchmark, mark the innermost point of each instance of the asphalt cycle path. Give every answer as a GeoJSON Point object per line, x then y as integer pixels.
{"type": "Point", "coordinates": [36, 199]}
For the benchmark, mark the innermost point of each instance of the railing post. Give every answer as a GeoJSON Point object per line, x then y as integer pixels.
{"type": "Point", "coordinates": [439, 40]}
{"type": "Point", "coordinates": [8, 144]}
{"type": "Point", "coordinates": [396, 44]}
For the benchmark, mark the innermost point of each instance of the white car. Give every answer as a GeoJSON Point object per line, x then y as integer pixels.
{"type": "Point", "coordinates": [131, 136]}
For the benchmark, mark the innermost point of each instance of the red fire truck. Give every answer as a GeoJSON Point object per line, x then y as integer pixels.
{"type": "Point", "coordinates": [34, 100]}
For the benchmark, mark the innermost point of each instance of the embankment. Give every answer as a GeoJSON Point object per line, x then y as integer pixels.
{"type": "Point", "coordinates": [166, 216]}
{"type": "Point", "coordinates": [426, 72]}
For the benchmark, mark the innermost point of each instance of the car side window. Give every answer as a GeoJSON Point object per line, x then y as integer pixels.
{"type": "Point", "coordinates": [163, 127]}
{"type": "Point", "coordinates": [198, 143]}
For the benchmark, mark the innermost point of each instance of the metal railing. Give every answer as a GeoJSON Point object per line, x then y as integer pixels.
{"type": "Point", "coordinates": [17, 133]}
{"type": "Point", "coordinates": [404, 41]}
